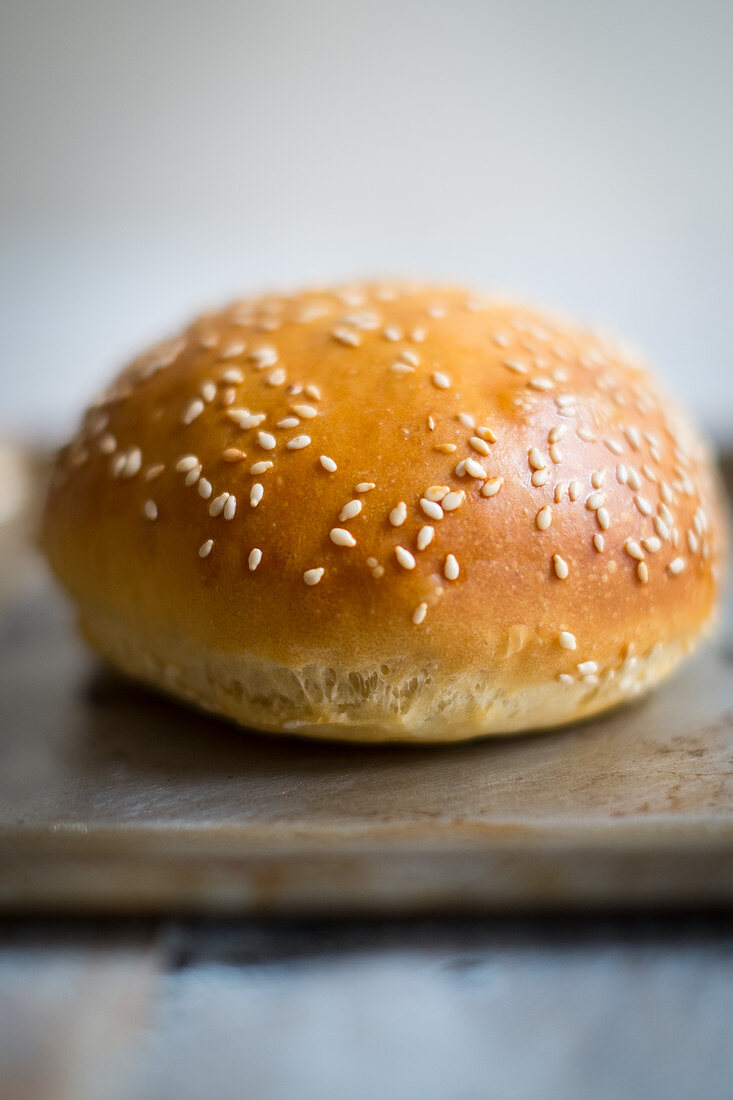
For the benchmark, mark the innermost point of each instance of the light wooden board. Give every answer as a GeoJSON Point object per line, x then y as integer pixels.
{"type": "Point", "coordinates": [112, 798]}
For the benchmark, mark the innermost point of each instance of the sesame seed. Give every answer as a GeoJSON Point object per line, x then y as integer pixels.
{"type": "Point", "coordinates": [613, 446]}
{"type": "Point", "coordinates": [603, 519]}
{"type": "Point", "coordinates": [133, 462]}
{"type": "Point", "coordinates": [451, 569]}
{"type": "Point", "coordinates": [313, 576]}
{"type": "Point", "coordinates": [266, 441]}
{"type": "Point", "coordinates": [555, 434]}
{"type": "Point", "coordinates": [566, 639]}
{"type": "Point", "coordinates": [307, 412]}
{"type": "Point", "coordinates": [560, 566]}
{"type": "Point", "coordinates": [350, 510]}
{"type": "Point", "coordinates": [442, 381]}
{"type": "Point", "coordinates": [574, 490]}
{"type": "Point", "coordinates": [261, 467]}
{"type": "Point", "coordinates": [597, 478]}
{"type": "Point", "coordinates": [587, 668]}
{"type": "Point", "coordinates": [540, 383]}
{"type": "Point", "coordinates": [479, 445]}
{"type": "Point", "coordinates": [595, 501]}
{"type": "Point", "coordinates": [436, 492]}
{"type": "Point", "coordinates": [418, 335]}
{"type": "Point", "coordinates": [193, 409]}
{"type": "Point", "coordinates": [208, 390]}
{"type": "Point", "coordinates": [586, 435]}
{"type": "Point", "coordinates": [555, 453]}
{"type": "Point", "coordinates": [642, 572]}
{"type": "Point", "coordinates": [632, 478]}
{"type": "Point", "coordinates": [536, 459]}
{"type": "Point", "coordinates": [418, 615]}
{"type": "Point", "coordinates": [204, 488]}
{"type": "Point", "coordinates": [431, 424]}
{"type": "Point", "coordinates": [244, 418]}
{"type": "Point", "coordinates": [410, 357]}
{"type": "Point", "coordinates": [474, 469]}
{"type": "Point", "coordinates": [652, 544]}
{"type": "Point", "coordinates": [150, 509]}
{"type": "Point", "coordinates": [404, 557]}
{"type": "Point", "coordinates": [328, 464]}
{"type": "Point", "coordinates": [398, 515]}
{"type": "Point", "coordinates": [560, 490]}
{"type": "Point", "coordinates": [364, 487]}
{"type": "Point", "coordinates": [264, 356]}
{"type": "Point", "coordinates": [392, 332]}
{"type": "Point", "coordinates": [666, 515]}
{"type": "Point", "coordinates": [500, 339]}
{"type": "Point", "coordinates": [692, 543]}
{"type": "Point", "coordinates": [277, 377]}
{"type": "Point", "coordinates": [313, 392]}
{"type": "Point", "coordinates": [254, 559]}
{"type": "Point", "coordinates": [485, 433]}
{"type": "Point", "coordinates": [233, 454]}
{"type": "Point", "coordinates": [565, 678]}
{"type": "Point", "coordinates": [634, 437]}
{"type": "Point", "coordinates": [622, 474]}
{"type": "Point", "coordinates": [230, 507]}
{"type": "Point", "coordinates": [453, 500]}
{"type": "Point", "coordinates": [633, 549]}
{"type": "Point", "coordinates": [492, 486]}
{"type": "Point", "coordinates": [230, 350]}
{"type": "Point", "coordinates": [445, 448]}
{"type": "Point", "coordinates": [676, 566]}
{"type": "Point", "coordinates": [217, 504]}
{"type": "Point", "coordinates": [341, 537]}
{"type": "Point", "coordinates": [346, 336]}
{"type": "Point", "coordinates": [661, 527]}
{"type": "Point", "coordinates": [192, 476]}
{"type": "Point", "coordinates": [598, 542]}
{"type": "Point", "coordinates": [431, 508]}
{"type": "Point", "coordinates": [425, 536]}
{"type": "Point", "coordinates": [205, 548]}
{"type": "Point", "coordinates": [256, 494]}
{"type": "Point", "coordinates": [515, 366]}
{"type": "Point", "coordinates": [540, 478]}
{"type": "Point", "coordinates": [298, 442]}
{"type": "Point", "coordinates": [643, 505]}
{"type": "Point", "coordinates": [107, 444]}
{"type": "Point", "coordinates": [233, 376]}
{"type": "Point", "coordinates": [188, 462]}
{"type": "Point", "coordinates": [466, 419]}
{"type": "Point", "coordinates": [543, 519]}
{"type": "Point", "coordinates": [402, 368]}
{"type": "Point", "coordinates": [154, 471]}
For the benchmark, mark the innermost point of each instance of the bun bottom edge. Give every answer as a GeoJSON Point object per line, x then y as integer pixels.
{"type": "Point", "coordinates": [415, 706]}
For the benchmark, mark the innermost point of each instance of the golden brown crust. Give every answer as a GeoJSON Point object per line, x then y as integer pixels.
{"type": "Point", "coordinates": [586, 529]}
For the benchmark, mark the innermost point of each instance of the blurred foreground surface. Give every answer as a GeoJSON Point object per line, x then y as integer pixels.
{"type": "Point", "coordinates": [517, 1009]}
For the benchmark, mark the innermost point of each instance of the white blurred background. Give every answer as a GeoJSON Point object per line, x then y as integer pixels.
{"type": "Point", "coordinates": [158, 156]}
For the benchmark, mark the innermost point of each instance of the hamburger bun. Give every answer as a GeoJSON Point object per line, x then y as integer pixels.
{"type": "Point", "coordinates": [388, 512]}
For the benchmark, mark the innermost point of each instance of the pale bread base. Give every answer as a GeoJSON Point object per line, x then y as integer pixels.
{"type": "Point", "coordinates": [375, 704]}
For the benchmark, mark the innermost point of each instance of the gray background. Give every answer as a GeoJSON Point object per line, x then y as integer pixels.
{"type": "Point", "coordinates": [158, 156]}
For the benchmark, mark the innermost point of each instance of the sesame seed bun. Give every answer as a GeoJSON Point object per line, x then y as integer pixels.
{"type": "Point", "coordinates": [388, 513]}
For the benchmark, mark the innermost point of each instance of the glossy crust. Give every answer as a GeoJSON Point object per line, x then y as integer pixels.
{"type": "Point", "coordinates": [574, 562]}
